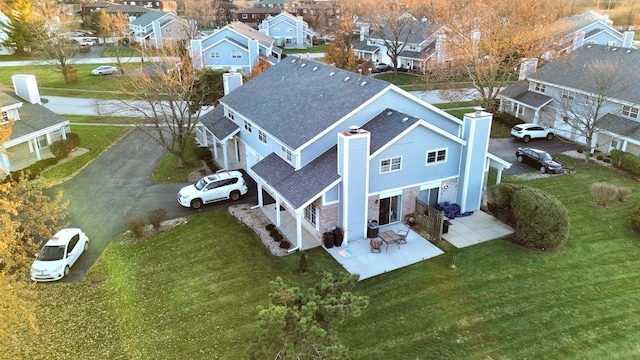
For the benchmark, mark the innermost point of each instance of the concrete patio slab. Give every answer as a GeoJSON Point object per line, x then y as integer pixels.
{"type": "Point", "coordinates": [357, 258]}
{"type": "Point", "coordinates": [477, 228]}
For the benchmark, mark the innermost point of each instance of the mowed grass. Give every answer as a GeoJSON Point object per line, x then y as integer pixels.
{"type": "Point", "coordinates": [193, 292]}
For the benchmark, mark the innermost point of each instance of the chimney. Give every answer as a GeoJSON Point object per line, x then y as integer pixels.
{"type": "Point", "coordinates": [231, 81]}
{"type": "Point", "coordinates": [476, 130]}
{"type": "Point", "coordinates": [627, 39]}
{"type": "Point", "coordinates": [26, 87]}
{"type": "Point", "coordinates": [527, 67]}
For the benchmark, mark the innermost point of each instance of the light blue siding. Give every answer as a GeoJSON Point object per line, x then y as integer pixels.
{"type": "Point", "coordinates": [413, 148]}
{"type": "Point", "coordinates": [476, 131]}
{"type": "Point", "coordinates": [354, 178]}
{"type": "Point", "coordinates": [332, 194]}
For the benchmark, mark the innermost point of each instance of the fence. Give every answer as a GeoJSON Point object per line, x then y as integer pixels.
{"type": "Point", "coordinates": [430, 219]}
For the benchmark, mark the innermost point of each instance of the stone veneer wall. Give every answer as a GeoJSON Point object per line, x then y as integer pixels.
{"type": "Point", "coordinates": [409, 196]}
{"type": "Point", "coordinates": [329, 215]}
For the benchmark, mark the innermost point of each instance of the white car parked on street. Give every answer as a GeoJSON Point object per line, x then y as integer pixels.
{"type": "Point", "coordinates": [222, 185]}
{"type": "Point", "coordinates": [59, 254]}
{"type": "Point", "coordinates": [104, 70]}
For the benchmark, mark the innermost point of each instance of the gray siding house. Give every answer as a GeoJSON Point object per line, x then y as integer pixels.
{"type": "Point", "coordinates": [337, 149]}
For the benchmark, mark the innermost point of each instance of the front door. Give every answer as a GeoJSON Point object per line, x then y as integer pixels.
{"type": "Point", "coordinates": [390, 210]}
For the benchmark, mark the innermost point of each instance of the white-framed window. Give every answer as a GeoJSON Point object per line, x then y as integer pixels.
{"type": "Point", "coordinates": [630, 111]}
{"type": "Point", "coordinates": [214, 55]}
{"type": "Point", "coordinates": [286, 153]}
{"type": "Point", "coordinates": [262, 136]}
{"type": "Point", "coordinates": [42, 141]}
{"type": "Point", "coordinates": [5, 116]}
{"type": "Point", "coordinates": [289, 30]}
{"type": "Point", "coordinates": [520, 111]}
{"type": "Point", "coordinates": [231, 115]}
{"type": "Point", "coordinates": [436, 156]}
{"type": "Point", "coordinates": [311, 213]}
{"type": "Point", "coordinates": [236, 55]}
{"type": "Point", "coordinates": [539, 87]}
{"type": "Point", "coordinates": [247, 126]}
{"type": "Point", "coordinates": [245, 16]}
{"type": "Point", "coordinates": [391, 164]}
{"type": "Point", "coordinates": [568, 94]}
{"type": "Point", "coordinates": [275, 30]}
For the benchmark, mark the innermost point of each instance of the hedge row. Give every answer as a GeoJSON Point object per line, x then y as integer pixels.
{"type": "Point", "coordinates": [626, 161]}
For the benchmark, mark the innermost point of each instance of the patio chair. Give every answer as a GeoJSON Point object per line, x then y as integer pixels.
{"type": "Point", "coordinates": [403, 236]}
{"type": "Point", "coordinates": [375, 245]}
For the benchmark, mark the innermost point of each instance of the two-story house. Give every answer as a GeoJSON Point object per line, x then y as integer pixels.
{"type": "Point", "coordinates": [287, 30]}
{"type": "Point", "coordinates": [156, 28]}
{"type": "Point", "coordinates": [254, 16]}
{"type": "Point", "coordinates": [590, 28]}
{"type": "Point", "coordinates": [34, 126]}
{"type": "Point", "coordinates": [235, 47]}
{"type": "Point", "coordinates": [337, 149]}
{"type": "Point", "coordinates": [422, 42]}
{"type": "Point", "coordinates": [593, 81]}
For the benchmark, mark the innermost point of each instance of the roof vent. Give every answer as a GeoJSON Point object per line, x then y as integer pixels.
{"type": "Point", "coordinates": [363, 83]}
{"type": "Point", "coordinates": [479, 110]}
{"type": "Point", "coordinates": [389, 113]}
{"type": "Point", "coordinates": [614, 49]}
{"type": "Point", "coordinates": [404, 119]}
{"type": "Point", "coordinates": [315, 68]}
{"type": "Point", "coordinates": [588, 46]}
{"type": "Point", "coordinates": [347, 78]}
{"type": "Point", "coordinates": [293, 61]}
{"type": "Point", "coordinates": [628, 51]}
{"type": "Point", "coordinates": [332, 73]}
{"type": "Point", "coordinates": [353, 129]}
{"type": "Point", "coordinates": [303, 65]}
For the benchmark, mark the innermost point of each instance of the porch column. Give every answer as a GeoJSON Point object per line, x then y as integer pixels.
{"type": "Point", "coordinates": [36, 148]}
{"type": "Point", "coordinates": [225, 158]}
{"type": "Point", "coordinates": [298, 229]}
{"type": "Point", "coordinates": [499, 175]}
{"type": "Point", "coordinates": [260, 200]}
{"type": "Point", "coordinates": [536, 116]}
{"type": "Point", "coordinates": [215, 148]}
{"type": "Point", "coordinates": [277, 211]}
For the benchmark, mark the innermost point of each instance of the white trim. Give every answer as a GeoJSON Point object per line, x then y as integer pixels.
{"type": "Point", "coordinates": [436, 154]}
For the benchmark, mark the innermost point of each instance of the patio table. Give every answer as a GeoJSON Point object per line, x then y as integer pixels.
{"type": "Point", "coordinates": [390, 237]}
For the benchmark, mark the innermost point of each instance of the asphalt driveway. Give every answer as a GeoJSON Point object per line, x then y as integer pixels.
{"type": "Point", "coordinates": [506, 149]}
{"type": "Point", "coordinates": [117, 186]}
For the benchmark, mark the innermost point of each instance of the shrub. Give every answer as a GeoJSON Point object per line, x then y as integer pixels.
{"type": "Point", "coordinates": [542, 221]}
{"type": "Point", "coordinates": [622, 193]}
{"type": "Point", "coordinates": [61, 148]}
{"type": "Point", "coordinates": [74, 139]}
{"type": "Point", "coordinates": [278, 237]}
{"type": "Point", "coordinates": [156, 216]}
{"type": "Point", "coordinates": [616, 156]}
{"type": "Point", "coordinates": [506, 119]}
{"type": "Point", "coordinates": [136, 226]}
{"type": "Point", "coordinates": [603, 193]}
{"type": "Point", "coordinates": [599, 157]}
{"type": "Point", "coordinates": [607, 160]}
{"type": "Point", "coordinates": [634, 219]}
{"type": "Point", "coordinates": [269, 227]}
{"type": "Point", "coordinates": [36, 168]}
{"type": "Point", "coordinates": [631, 163]}
{"type": "Point", "coordinates": [285, 244]}
{"type": "Point", "coordinates": [303, 266]}
{"type": "Point", "coordinates": [500, 202]}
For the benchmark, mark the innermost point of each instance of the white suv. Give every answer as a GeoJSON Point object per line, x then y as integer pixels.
{"type": "Point", "coordinates": [528, 131]}
{"type": "Point", "coordinates": [222, 185]}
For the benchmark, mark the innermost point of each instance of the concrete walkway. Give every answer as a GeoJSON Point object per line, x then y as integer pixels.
{"type": "Point", "coordinates": [475, 229]}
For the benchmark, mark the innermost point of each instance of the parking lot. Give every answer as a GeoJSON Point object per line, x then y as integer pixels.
{"type": "Point", "coordinates": [506, 149]}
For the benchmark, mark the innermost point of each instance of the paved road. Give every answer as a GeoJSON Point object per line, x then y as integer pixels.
{"type": "Point", "coordinates": [506, 149]}
{"type": "Point", "coordinates": [116, 187]}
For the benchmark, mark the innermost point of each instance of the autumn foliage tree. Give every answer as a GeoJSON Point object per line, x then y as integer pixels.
{"type": "Point", "coordinates": [27, 217]}
{"type": "Point", "coordinates": [488, 39]}
{"type": "Point", "coordinates": [113, 26]}
{"type": "Point", "coordinates": [259, 67]}
{"type": "Point", "coordinates": [25, 25]}
{"type": "Point", "coordinates": [339, 52]}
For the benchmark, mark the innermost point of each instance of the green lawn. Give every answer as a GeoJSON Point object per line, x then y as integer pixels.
{"type": "Point", "coordinates": [314, 49]}
{"type": "Point", "coordinates": [193, 292]}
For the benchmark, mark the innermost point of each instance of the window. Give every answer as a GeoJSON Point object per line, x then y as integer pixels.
{"type": "Point", "coordinates": [436, 156]}
{"type": "Point", "coordinates": [539, 87]}
{"type": "Point", "coordinates": [236, 55]}
{"type": "Point", "coordinates": [275, 30]}
{"type": "Point", "coordinates": [247, 126]}
{"type": "Point", "coordinates": [568, 94]}
{"type": "Point", "coordinates": [310, 213]}
{"type": "Point", "coordinates": [214, 55]}
{"type": "Point", "coordinates": [42, 141]}
{"type": "Point", "coordinates": [262, 136]}
{"type": "Point", "coordinates": [231, 115]}
{"type": "Point", "coordinates": [630, 111]}
{"type": "Point", "coordinates": [286, 153]}
{"type": "Point", "coordinates": [245, 16]}
{"type": "Point", "coordinates": [5, 116]}
{"type": "Point", "coordinates": [390, 165]}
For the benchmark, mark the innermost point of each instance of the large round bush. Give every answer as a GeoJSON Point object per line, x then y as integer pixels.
{"type": "Point", "coordinates": [541, 221]}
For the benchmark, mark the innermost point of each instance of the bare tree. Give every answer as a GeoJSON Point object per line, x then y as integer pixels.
{"type": "Point", "coordinates": [203, 13]}
{"type": "Point", "coordinates": [488, 40]}
{"type": "Point", "coordinates": [396, 27]}
{"type": "Point", "coordinates": [169, 97]}
{"type": "Point", "coordinates": [115, 27]}
{"type": "Point", "coordinates": [599, 82]}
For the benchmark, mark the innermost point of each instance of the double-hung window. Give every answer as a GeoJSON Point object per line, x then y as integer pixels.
{"type": "Point", "coordinates": [630, 111]}
{"type": "Point", "coordinates": [236, 55]}
{"type": "Point", "coordinates": [390, 165]}
{"type": "Point", "coordinates": [247, 126]}
{"type": "Point", "coordinates": [568, 94]}
{"type": "Point", "coordinates": [262, 136]}
{"type": "Point", "coordinates": [286, 153]}
{"type": "Point", "coordinates": [539, 87]}
{"type": "Point", "coordinates": [310, 213]}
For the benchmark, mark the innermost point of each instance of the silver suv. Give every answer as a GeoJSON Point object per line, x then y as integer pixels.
{"type": "Point", "coordinates": [222, 185]}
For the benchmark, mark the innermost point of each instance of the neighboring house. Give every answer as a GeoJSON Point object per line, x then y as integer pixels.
{"type": "Point", "coordinates": [34, 127]}
{"type": "Point", "coordinates": [156, 28]}
{"type": "Point", "coordinates": [337, 149]}
{"type": "Point", "coordinates": [3, 36]}
{"type": "Point", "coordinates": [287, 30]}
{"type": "Point", "coordinates": [159, 5]}
{"type": "Point", "coordinates": [546, 94]}
{"type": "Point", "coordinates": [424, 48]}
{"type": "Point", "coordinates": [222, 13]}
{"type": "Point", "coordinates": [591, 28]}
{"type": "Point", "coordinates": [274, 4]}
{"type": "Point", "coordinates": [253, 17]}
{"type": "Point", "coordinates": [235, 47]}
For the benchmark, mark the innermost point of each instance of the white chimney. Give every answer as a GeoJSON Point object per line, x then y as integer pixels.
{"type": "Point", "coordinates": [231, 81]}
{"type": "Point", "coordinates": [26, 87]}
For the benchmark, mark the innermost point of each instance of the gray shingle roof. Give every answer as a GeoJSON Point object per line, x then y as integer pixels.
{"type": "Point", "coordinates": [148, 18]}
{"type": "Point", "coordinates": [362, 46]}
{"type": "Point", "coordinates": [520, 92]}
{"type": "Point", "coordinates": [316, 176]}
{"type": "Point", "coordinates": [218, 124]}
{"type": "Point", "coordinates": [251, 33]}
{"type": "Point", "coordinates": [385, 126]}
{"type": "Point", "coordinates": [577, 22]}
{"type": "Point", "coordinates": [33, 117]}
{"type": "Point", "coordinates": [420, 31]}
{"type": "Point", "coordinates": [620, 125]}
{"type": "Point", "coordinates": [296, 99]}
{"type": "Point", "coordinates": [574, 70]}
